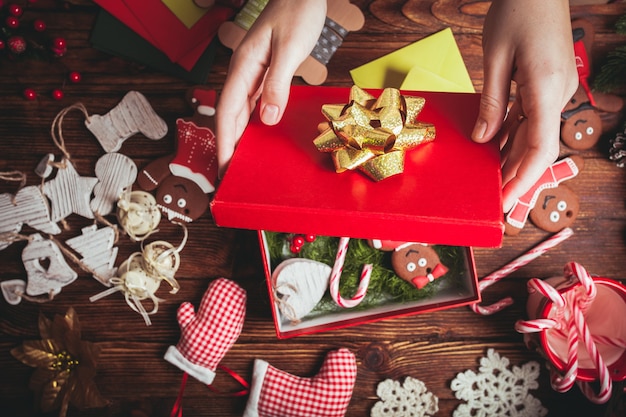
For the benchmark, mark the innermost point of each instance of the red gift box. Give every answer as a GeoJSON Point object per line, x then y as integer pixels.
{"type": "Point", "coordinates": [448, 194]}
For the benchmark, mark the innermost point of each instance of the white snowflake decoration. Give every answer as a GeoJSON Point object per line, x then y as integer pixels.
{"type": "Point", "coordinates": [498, 391]}
{"type": "Point", "coordinates": [411, 399]}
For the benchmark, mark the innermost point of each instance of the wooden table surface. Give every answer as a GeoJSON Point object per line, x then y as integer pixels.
{"type": "Point", "coordinates": [432, 347]}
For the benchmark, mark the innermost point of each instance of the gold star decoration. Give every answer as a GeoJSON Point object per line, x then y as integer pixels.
{"type": "Point", "coordinates": [65, 365]}
{"type": "Point", "coordinates": [373, 134]}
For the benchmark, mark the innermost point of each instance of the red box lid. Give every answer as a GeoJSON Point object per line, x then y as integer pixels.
{"type": "Point", "coordinates": [449, 193]}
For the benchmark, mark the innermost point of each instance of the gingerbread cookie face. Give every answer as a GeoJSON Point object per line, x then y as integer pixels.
{"type": "Point", "coordinates": [181, 199]}
{"type": "Point", "coordinates": [581, 127]}
{"type": "Point", "coordinates": [556, 209]}
{"type": "Point", "coordinates": [417, 263]}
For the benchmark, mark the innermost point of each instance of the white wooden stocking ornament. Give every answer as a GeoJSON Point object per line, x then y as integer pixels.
{"type": "Point", "coordinates": [44, 279]}
{"type": "Point", "coordinates": [298, 285]}
{"type": "Point", "coordinates": [69, 192]}
{"type": "Point", "coordinates": [97, 251]}
{"type": "Point", "coordinates": [132, 115]}
{"type": "Point", "coordinates": [29, 206]}
{"type": "Point", "coordinates": [115, 173]}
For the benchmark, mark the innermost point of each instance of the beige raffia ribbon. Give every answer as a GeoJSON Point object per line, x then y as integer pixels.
{"type": "Point", "coordinates": [373, 134]}
{"type": "Point", "coordinates": [141, 274]}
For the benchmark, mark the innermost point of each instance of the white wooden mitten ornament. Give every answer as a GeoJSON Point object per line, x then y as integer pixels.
{"type": "Point", "coordinates": [12, 290]}
{"type": "Point", "coordinates": [42, 279]}
{"type": "Point", "coordinates": [69, 192]}
{"type": "Point", "coordinates": [132, 115]}
{"type": "Point", "coordinates": [29, 206]}
{"type": "Point", "coordinates": [276, 393]}
{"type": "Point", "coordinates": [97, 251]}
{"type": "Point", "coordinates": [298, 285]}
{"type": "Point", "coordinates": [116, 173]}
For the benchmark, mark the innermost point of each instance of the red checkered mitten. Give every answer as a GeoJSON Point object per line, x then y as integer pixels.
{"type": "Point", "coordinates": [275, 393]}
{"type": "Point", "coordinates": [206, 335]}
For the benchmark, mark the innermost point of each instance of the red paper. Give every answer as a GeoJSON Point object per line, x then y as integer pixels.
{"type": "Point", "coordinates": [449, 193]}
{"type": "Point", "coordinates": [153, 21]}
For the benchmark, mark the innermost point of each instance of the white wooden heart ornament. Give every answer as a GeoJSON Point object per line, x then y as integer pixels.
{"type": "Point", "coordinates": [298, 285]}
{"type": "Point", "coordinates": [12, 290]}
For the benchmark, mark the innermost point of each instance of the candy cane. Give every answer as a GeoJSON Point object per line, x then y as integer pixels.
{"type": "Point", "coordinates": [606, 384]}
{"type": "Point", "coordinates": [335, 276]}
{"type": "Point", "coordinates": [569, 313]}
{"type": "Point", "coordinates": [514, 265]}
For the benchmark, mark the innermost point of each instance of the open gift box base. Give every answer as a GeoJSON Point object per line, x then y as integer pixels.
{"type": "Point", "coordinates": [458, 287]}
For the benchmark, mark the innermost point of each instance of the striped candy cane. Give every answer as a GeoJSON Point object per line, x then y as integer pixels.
{"type": "Point", "coordinates": [335, 276]}
{"type": "Point", "coordinates": [514, 265]}
{"type": "Point", "coordinates": [570, 322]}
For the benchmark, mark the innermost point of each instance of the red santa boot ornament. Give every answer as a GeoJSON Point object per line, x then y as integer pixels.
{"type": "Point", "coordinates": [184, 180]}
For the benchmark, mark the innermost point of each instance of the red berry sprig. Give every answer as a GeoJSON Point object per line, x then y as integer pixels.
{"type": "Point", "coordinates": [298, 241]}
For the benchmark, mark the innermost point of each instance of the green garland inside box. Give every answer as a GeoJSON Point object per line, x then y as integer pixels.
{"type": "Point", "coordinates": [385, 286]}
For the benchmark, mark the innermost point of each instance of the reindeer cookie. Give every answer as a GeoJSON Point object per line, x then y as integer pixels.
{"type": "Point", "coordinates": [341, 18]}
{"type": "Point", "coordinates": [416, 263]}
{"type": "Point", "coordinates": [184, 180]}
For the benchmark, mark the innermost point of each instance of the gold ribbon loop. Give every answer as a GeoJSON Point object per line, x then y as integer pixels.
{"type": "Point", "coordinates": [373, 134]}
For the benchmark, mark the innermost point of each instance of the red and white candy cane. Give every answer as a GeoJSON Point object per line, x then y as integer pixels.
{"type": "Point", "coordinates": [335, 276]}
{"type": "Point", "coordinates": [514, 265]}
{"type": "Point", "coordinates": [570, 321]}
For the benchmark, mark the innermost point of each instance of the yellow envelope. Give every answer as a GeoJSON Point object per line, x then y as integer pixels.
{"type": "Point", "coordinates": [430, 64]}
{"type": "Point", "coordinates": [186, 11]}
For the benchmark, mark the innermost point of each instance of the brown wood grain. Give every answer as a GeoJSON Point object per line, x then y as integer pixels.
{"type": "Point", "coordinates": [433, 347]}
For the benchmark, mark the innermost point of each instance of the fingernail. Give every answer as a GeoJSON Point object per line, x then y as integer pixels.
{"type": "Point", "coordinates": [479, 130]}
{"type": "Point", "coordinates": [269, 115]}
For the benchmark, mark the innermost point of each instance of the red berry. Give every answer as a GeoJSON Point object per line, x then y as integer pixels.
{"type": "Point", "coordinates": [12, 22]}
{"type": "Point", "coordinates": [59, 43]}
{"type": "Point", "coordinates": [295, 249]}
{"type": "Point", "coordinates": [30, 94]}
{"type": "Point", "coordinates": [17, 44]}
{"type": "Point", "coordinates": [57, 94]}
{"type": "Point", "coordinates": [310, 238]}
{"type": "Point", "coordinates": [297, 241]}
{"type": "Point", "coordinates": [2, 44]}
{"type": "Point", "coordinates": [39, 25]}
{"type": "Point", "coordinates": [75, 76]}
{"type": "Point", "coordinates": [15, 10]}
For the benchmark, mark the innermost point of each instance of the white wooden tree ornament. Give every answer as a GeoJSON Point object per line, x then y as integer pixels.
{"type": "Point", "coordinates": [69, 193]}
{"type": "Point", "coordinates": [115, 172]}
{"type": "Point", "coordinates": [28, 207]}
{"type": "Point", "coordinates": [44, 279]}
{"type": "Point", "coordinates": [97, 251]}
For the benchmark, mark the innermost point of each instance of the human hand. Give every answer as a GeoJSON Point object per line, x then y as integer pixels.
{"type": "Point", "coordinates": [262, 67]}
{"type": "Point", "coordinates": [529, 42]}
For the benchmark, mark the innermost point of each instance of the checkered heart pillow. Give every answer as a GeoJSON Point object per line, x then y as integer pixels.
{"type": "Point", "coordinates": [275, 393]}
{"type": "Point", "coordinates": [206, 335]}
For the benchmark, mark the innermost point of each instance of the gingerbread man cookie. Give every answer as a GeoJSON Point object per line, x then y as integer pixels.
{"type": "Point", "coordinates": [556, 209]}
{"type": "Point", "coordinates": [588, 114]}
{"type": "Point", "coordinates": [417, 263]}
{"type": "Point", "coordinates": [184, 180]}
{"type": "Point", "coordinates": [553, 211]}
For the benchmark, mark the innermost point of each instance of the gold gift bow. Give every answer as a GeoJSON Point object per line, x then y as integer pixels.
{"type": "Point", "coordinates": [373, 134]}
